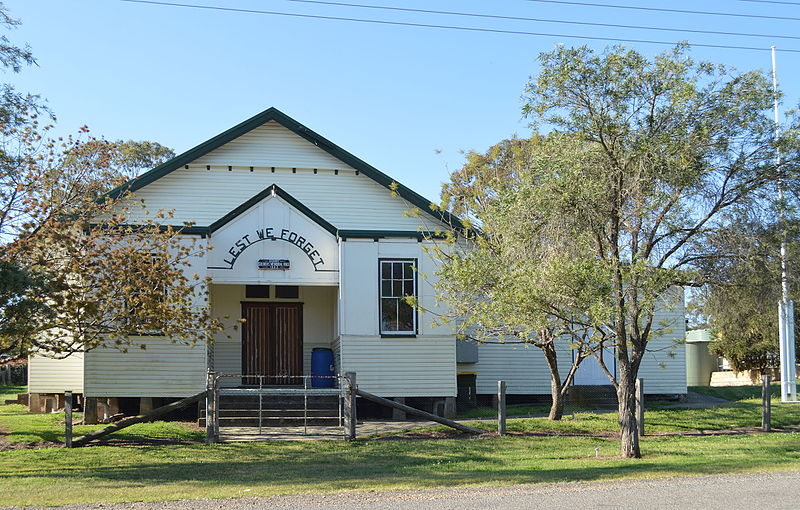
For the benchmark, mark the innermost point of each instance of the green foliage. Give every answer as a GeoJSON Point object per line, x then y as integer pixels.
{"type": "Point", "coordinates": [124, 159]}
{"type": "Point", "coordinates": [521, 279]}
{"type": "Point", "coordinates": [136, 157]}
{"type": "Point", "coordinates": [21, 312]}
{"type": "Point", "coordinates": [613, 209]}
{"type": "Point", "coordinates": [742, 291]}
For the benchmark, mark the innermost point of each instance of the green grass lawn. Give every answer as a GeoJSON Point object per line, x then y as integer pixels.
{"type": "Point", "coordinates": [736, 392]}
{"type": "Point", "coordinates": [51, 476]}
{"type": "Point", "coordinates": [20, 426]}
{"type": "Point", "coordinates": [488, 412]}
{"type": "Point", "coordinates": [115, 474]}
{"type": "Point", "coordinates": [10, 392]}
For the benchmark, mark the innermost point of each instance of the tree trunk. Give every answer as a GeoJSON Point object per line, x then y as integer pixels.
{"type": "Point", "coordinates": [557, 407]}
{"type": "Point", "coordinates": [626, 396]}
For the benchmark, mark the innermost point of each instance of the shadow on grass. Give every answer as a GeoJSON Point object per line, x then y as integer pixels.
{"type": "Point", "coordinates": [353, 466]}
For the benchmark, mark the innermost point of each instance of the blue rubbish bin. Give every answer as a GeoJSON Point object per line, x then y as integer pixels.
{"type": "Point", "coordinates": [322, 369]}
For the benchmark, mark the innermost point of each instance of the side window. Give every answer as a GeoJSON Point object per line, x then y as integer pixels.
{"type": "Point", "coordinates": [397, 281]}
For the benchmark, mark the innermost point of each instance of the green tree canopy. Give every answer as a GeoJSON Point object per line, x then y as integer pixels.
{"type": "Point", "coordinates": [519, 280]}
{"type": "Point", "coordinates": [647, 159]}
{"type": "Point", "coordinates": [742, 289]}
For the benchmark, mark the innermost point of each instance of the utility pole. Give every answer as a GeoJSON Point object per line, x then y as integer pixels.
{"type": "Point", "coordinates": [786, 305]}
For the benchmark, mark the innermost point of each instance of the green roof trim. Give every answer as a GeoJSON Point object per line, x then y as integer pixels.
{"type": "Point", "coordinates": [376, 234]}
{"type": "Point", "coordinates": [273, 114]}
{"type": "Point", "coordinates": [272, 190]}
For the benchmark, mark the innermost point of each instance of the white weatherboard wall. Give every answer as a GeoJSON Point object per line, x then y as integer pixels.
{"type": "Point", "coordinates": [526, 373]}
{"type": "Point", "coordinates": [392, 366]}
{"type": "Point", "coordinates": [522, 366]}
{"type": "Point", "coordinates": [343, 197]}
{"type": "Point", "coordinates": [51, 375]}
{"type": "Point", "coordinates": [319, 313]}
{"type": "Point", "coordinates": [663, 368]}
{"type": "Point", "coordinates": [271, 145]}
{"type": "Point", "coordinates": [162, 369]}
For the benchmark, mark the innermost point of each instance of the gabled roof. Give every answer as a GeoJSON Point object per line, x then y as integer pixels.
{"type": "Point", "coordinates": [272, 189]}
{"type": "Point", "coordinates": [273, 114]}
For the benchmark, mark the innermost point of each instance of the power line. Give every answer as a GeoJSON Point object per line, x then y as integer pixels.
{"type": "Point", "coordinates": [445, 27]}
{"type": "Point", "coordinates": [543, 20]}
{"type": "Point", "coordinates": [658, 9]}
{"type": "Point", "coordinates": [771, 2]}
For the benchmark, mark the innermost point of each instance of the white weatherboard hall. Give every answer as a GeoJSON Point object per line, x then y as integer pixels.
{"type": "Point", "coordinates": [311, 247]}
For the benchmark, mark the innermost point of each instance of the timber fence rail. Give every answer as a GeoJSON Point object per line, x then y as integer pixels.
{"type": "Point", "coordinates": [418, 412]}
{"type": "Point", "coordinates": [142, 418]}
{"type": "Point", "coordinates": [506, 404]}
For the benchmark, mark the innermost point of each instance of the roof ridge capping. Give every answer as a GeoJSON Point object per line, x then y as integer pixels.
{"type": "Point", "coordinates": [273, 114]}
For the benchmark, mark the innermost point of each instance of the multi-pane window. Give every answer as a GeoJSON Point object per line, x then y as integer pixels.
{"type": "Point", "coordinates": [398, 281]}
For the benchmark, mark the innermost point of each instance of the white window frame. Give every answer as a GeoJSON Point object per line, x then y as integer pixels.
{"type": "Point", "coordinates": [393, 333]}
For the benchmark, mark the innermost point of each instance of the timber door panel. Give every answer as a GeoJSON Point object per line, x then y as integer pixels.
{"type": "Point", "coordinates": [272, 342]}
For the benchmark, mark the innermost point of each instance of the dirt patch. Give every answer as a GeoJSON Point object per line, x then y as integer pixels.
{"type": "Point", "coordinates": [454, 434]}
{"type": "Point", "coordinates": [111, 440]}
{"type": "Point", "coordinates": [6, 445]}
{"type": "Point", "coordinates": [728, 432]}
{"type": "Point", "coordinates": [604, 434]}
{"type": "Point", "coordinates": [121, 442]}
{"type": "Point", "coordinates": [139, 442]}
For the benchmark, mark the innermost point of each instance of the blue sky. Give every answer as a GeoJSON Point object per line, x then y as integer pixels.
{"type": "Point", "coordinates": [408, 100]}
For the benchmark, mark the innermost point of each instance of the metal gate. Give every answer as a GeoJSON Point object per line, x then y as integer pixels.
{"type": "Point", "coordinates": [264, 411]}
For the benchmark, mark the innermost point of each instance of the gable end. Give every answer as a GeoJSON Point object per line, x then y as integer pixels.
{"type": "Point", "coordinates": [273, 114]}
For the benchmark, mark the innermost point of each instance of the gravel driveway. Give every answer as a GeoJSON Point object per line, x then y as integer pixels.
{"type": "Point", "coordinates": [724, 492]}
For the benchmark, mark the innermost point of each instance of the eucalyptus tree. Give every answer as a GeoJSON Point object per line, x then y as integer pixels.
{"type": "Point", "coordinates": [675, 145]}
{"type": "Point", "coordinates": [519, 278]}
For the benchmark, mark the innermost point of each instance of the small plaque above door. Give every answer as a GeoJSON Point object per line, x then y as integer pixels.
{"type": "Point", "coordinates": [267, 264]}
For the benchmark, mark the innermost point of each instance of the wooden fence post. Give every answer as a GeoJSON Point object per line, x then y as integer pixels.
{"type": "Point", "coordinates": [89, 410]}
{"type": "Point", "coordinates": [68, 419]}
{"type": "Point", "coordinates": [211, 414]}
{"type": "Point", "coordinates": [640, 406]}
{"type": "Point", "coordinates": [501, 408]}
{"type": "Point", "coordinates": [766, 403]}
{"type": "Point", "coordinates": [350, 406]}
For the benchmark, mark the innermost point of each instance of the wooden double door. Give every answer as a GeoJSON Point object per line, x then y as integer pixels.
{"type": "Point", "coordinates": [272, 343]}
